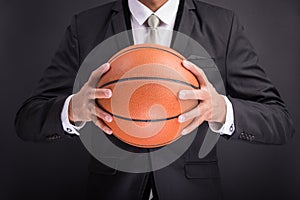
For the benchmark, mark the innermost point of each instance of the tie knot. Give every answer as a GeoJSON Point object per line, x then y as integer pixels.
{"type": "Point", "coordinates": [153, 21]}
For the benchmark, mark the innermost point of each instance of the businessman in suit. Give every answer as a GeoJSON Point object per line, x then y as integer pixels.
{"type": "Point", "coordinates": [251, 110]}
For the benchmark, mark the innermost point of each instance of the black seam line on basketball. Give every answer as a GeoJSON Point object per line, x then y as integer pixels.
{"type": "Point", "coordinates": [140, 120]}
{"type": "Point", "coordinates": [148, 78]}
{"type": "Point", "coordinates": [143, 120]}
{"type": "Point", "coordinates": [144, 47]}
{"type": "Point", "coordinates": [137, 120]}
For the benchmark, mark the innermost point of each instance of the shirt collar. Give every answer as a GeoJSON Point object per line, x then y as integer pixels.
{"type": "Point", "coordinates": [166, 13]}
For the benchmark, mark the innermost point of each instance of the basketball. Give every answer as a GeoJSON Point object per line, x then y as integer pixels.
{"type": "Point", "coordinates": [145, 80]}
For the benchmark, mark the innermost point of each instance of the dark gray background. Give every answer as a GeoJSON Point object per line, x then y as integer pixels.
{"type": "Point", "coordinates": [29, 35]}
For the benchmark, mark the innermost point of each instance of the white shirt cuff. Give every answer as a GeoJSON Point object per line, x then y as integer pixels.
{"type": "Point", "coordinates": [67, 126]}
{"type": "Point", "coordinates": [228, 127]}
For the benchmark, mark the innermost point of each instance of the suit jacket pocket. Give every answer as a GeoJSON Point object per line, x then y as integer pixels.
{"type": "Point", "coordinates": [202, 170]}
{"type": "Point", "coordinates": [98, 167]}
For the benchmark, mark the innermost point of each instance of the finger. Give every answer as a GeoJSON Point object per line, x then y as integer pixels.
{"type": "Point", "coordinates": [98, 122]}
{"type": "Point", "coordinates": [192, 126]}
{"type": "Point", "coordinates": [102, 114]}
{"type": "Point", "coordinates": [97, 93]}
{"type": "Point", "coordinates": [96, 75]}
{"type": "Point", "coordinates": [200, 94]}
{"type": "Point", "coordinates": [196, 112]}
{"type": "Point", "coordinates": [98, 112]}
{"type": "Point", "coordinates": [196, 71]}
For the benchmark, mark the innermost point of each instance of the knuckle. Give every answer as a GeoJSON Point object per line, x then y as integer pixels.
{"type": "Point", "coordinates": [88, 94]}
{"type": "Point", "coordinates": [208, 94]}
{"type": "Point", "coordinates": [101, 114]}
{"type": "Point", "coordinates": [205, 90]}
{"type": "Point", "coordinates": [101, 92]}
{"type": "Point", "coordinates": [96, 93]}
{"type": "Point", "coordinates": [93, 74]}
{"type": "Point", "coordinates": [198, 94]}
{"type": "Point", "coordinates": [198, 111]}
{"type": "Point", "coordinates": [91, 93]}
{"type": "Point", "coordinates": [193, 93]}
{"type": "Point", "coordinates": [102, 69]}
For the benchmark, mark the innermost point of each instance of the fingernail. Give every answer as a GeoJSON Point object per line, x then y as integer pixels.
{"type": "Point", "coordinates": [181, 95]}
{"type": "Point", "coordinates": [108, 118]}
{"type": "Point", "coordinates": [108, 131]}
{"type": "Point", "coordinates": [184, 132]}
{"type": "Point", "coordinates": [107, 93]}
{"type": "Point", "coordinates": [106, 66]}
{"type": "Point", "coordinates": [181, 118]}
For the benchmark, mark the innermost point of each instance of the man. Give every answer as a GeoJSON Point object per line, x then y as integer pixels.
{"type": "Point", "coordinates": [251, 110]}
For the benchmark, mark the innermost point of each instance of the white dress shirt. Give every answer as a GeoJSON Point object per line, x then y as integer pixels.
{"type": "Point", "coordinates": [167, 15]}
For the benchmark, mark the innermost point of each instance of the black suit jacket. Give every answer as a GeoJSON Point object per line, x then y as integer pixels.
{"type": "Point", "coordinates": [260, 114]}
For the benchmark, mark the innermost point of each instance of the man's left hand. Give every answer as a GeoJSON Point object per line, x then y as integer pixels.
{"type": "Point", "coordinates": [212, 106]}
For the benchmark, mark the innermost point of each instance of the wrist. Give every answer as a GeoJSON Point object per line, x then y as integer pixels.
{"type": "Point", "coordinates": [70, 113]}
{"type": "Point", "coordinates": [222, 110]}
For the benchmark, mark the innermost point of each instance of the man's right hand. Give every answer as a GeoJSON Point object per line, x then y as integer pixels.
{"type": "Point", "coordinates": [82, 107]}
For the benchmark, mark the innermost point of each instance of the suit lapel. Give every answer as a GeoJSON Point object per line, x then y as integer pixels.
{"type": "Point", "coordinates": [190, 30]}
{"type": "Point", "coordinates": [180, 38]}
{"type": "Point", "coordinates": [187, 22]}
{"type": "Point", "coordinates": [117, 27]}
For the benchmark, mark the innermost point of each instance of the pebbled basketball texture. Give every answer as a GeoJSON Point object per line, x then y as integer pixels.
{"type": "Point", "coordinates": [145, 80]}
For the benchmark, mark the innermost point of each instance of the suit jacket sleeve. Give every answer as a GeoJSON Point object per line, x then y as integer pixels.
{"type": "Point", "coordinates": [259, 113]}
{"type": "Point", "coordinates": [39, 116]}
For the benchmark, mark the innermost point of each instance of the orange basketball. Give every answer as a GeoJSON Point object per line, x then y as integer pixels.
{"type": "Point", "coordinates": [145, 80]}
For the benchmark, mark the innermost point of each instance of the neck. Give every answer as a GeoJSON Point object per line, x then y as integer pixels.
{"type": "Point", "coordinates": [153, 5]}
